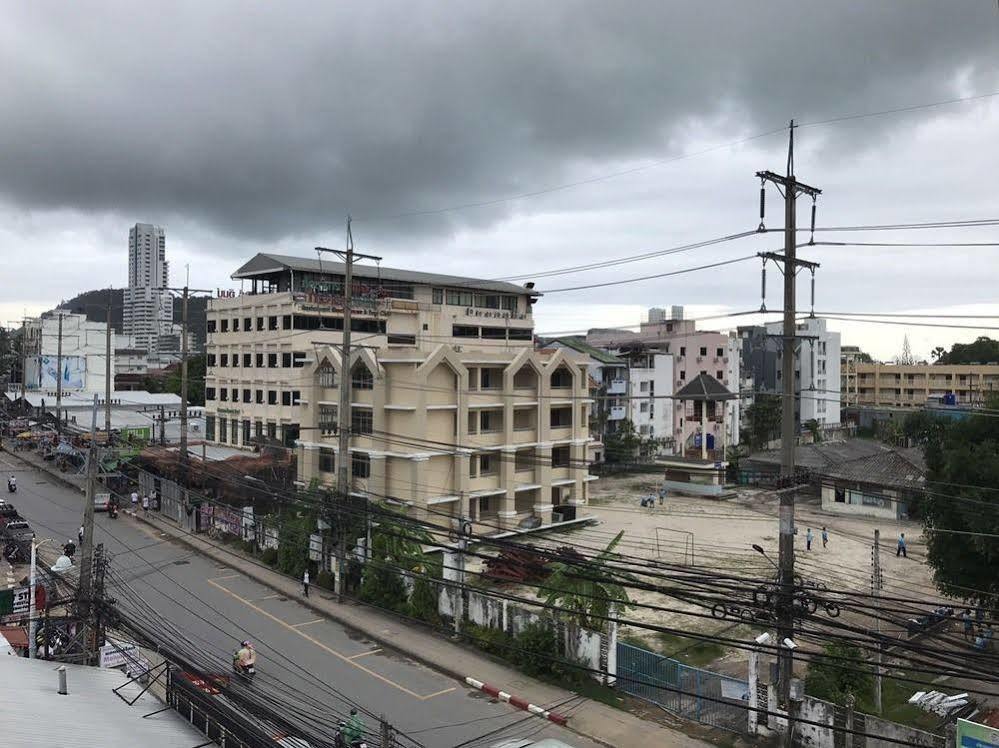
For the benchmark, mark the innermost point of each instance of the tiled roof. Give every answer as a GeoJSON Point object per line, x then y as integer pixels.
{"type": "Point", "coordinates": [704, 387]}
{"type": "Point", "coordinates": [890, 468]}
{"type": "Point", "coordinates": [823, 454]}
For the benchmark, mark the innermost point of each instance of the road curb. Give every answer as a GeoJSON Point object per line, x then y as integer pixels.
{"type": "Point", "coordinates": [518, 702]}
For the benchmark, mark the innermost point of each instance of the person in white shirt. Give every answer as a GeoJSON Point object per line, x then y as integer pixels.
{"type": "Point", "coordinates": [145, 505]}
{"type": "Point", "coordinates": [135, 500]}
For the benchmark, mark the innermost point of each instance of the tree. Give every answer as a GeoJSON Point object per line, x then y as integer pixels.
{"type": "Point", "coordinates": [937, 353]}
{"type": "Point", "coordinates": [961, 514]}
{"type": "Point", "coordinates": [836, 679]}
{"type": "Point", "coordinates": [983, 350]}
{"type": "Point", "coordinates": [624, 444]}
{"type": "Point", "coordinates": [588, 588]}
{"type": "Point", "coordinates": [905, 358]}
{"type": "Point", "coordinates": [171, 382]}
{"type": "Point", "coordinates": [763, 420]}
{"type": "Point", "coordinates": [396, 547]}
{"type": "Point", "coordinates": [814, 429]}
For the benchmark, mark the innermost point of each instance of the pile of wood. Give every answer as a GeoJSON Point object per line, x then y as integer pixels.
{"type": "Point", "coordinates": [526, 564]}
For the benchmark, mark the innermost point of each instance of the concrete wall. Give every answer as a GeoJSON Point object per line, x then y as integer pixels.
{"type": "Point", "coordinates": [854, 506]}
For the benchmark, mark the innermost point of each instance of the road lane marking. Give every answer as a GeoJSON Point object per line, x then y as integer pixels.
{"type": "Point", "coordinates": [365, 654]}
{"type": "Point", "coordinates": [438, 693]}
{"type": "Point", "coordinates": [227, 576]}
{"type": "Point", "coordinates": [307, 623]}
{"type": "Point", "coordinates": [324, 647]}
{"type": "Point", "coordinates": [270, 597]}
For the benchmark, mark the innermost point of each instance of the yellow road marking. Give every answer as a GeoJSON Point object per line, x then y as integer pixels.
{"type": "Point", "coordinates": [325, 648]}
{"type": "Point", "coordinates": [227, 576]}
{"type": "Point", "coordinates": [438, 693]}
{"type": "Point", "coordinates": [308, 623]}
{"type": "Point", "coordinates": [270, 597]}
{"type": "Point", "coordinates": [365, 654]}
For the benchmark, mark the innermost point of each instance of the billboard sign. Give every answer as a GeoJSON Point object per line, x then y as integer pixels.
{"type": "Point", "coordinates": [976, 735]}
{"type": "Point", "coordinates": [73, 373]}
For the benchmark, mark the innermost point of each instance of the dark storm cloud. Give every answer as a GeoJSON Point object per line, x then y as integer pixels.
{"type": "Point", "coordinates": [267, 120]}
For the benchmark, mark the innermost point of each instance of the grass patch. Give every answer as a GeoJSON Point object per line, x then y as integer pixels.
{"type": "Point", "coordinates": [894, 697]}
{"type": "Point", "coordinates": [685, 649]}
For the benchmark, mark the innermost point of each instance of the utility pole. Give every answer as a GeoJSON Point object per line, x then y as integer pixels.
{"type": "Point", "coordinates": [58, 374]}
{"type": "Point", "coordinates": [87, 545]}
{"type": "Point", "coordinates": [183, 386]}
{"type": "Point", "coordinates": [385, 733]}
{"type": "Point", "coordinates": [876, 587]}
{"type": "Point", "coordinates": [24, 358]}
{"type": "Point", "coordinates": [162, 427]}
{"type": "Point", "coordinates": [108, 359]}
{"type": "Point", "coordinates": [343, 475]}
{"type": "Point", "coordinates": [790, 188]}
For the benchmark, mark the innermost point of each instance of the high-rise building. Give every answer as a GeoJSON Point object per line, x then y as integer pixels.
{"type": "Point", "coordinates": [148, 313]}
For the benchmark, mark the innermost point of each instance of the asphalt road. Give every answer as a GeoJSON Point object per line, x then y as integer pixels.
{"type": "Point", "coordinates": [294, 644]}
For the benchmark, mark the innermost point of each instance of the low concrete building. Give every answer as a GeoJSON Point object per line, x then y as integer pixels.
{"type": "Point", "coordinates": [79, 361]}
{"type": "Point", "coordinates": [881, 485]}
{"type": "Point", "coordinates": [911, 386]}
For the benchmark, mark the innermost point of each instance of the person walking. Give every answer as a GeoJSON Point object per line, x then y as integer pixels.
{"type": "Point", "coordinates": [900, 548]}
{"type": "Point", "coordinates": [305, 583]}
{"type": "Point", "coordinates": [135, 501]}
{"type": "Point", "coordinates": [662, 495]}
{"type": "Point", "coordinates": [808, 539]}
{"type": "Point", "coordinates": [825, 537]}
{"type": "Point", "coordinates": [969, 624]}
{"type": "Point", "coordinates": [145, 506]}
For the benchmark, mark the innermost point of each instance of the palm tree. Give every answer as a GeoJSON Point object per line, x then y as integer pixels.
{"type": "Point", "coordinates": [589, 588]}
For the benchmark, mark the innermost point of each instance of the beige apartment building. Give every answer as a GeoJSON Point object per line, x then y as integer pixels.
{"type": "Point", "coordinates": [453, 411]}
{"type": "Point", "coordinates": [898, 385]}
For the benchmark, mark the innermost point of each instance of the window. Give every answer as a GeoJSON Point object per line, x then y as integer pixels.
{"type": "Point", "coordinates": [247, 323]}
{"type": "Point", "coordinates": [285, 398]}
{"type": "Point", "coordinates": [361, 378]}
{"type": "Point", "coordinates": [327, 376]}
{"type": "Point", "coordinates": [286, 322]}
{"type": "Point", "coordinates": [247, 360]}
{"type": "Point", "coordinates": [360, 465]}
{"type": "Point", "coordinates": [438, 295]}
{"type": "Point", "coordinates": [561, 377]}
{"type": "Point", "coordinates": [398, 339]}
{"type": "Point", "coordinates": [683, 350]}
{"type": "Point", "coordinates": [260, 360]}
{"type": "Point", "coordinates": [246, 432]}
{"type": "Point", "coordinates": [260, 324]}
{"type": "Point", "coordinates": [224, 394]}
{"type": "Point", "coordinates": [224, 359]}
{"type": "Point", "coordinates": [643, 408]}
{"type": "Point", "coordinates": [509, 303]}
{"type": "Point", "coordinates": [209, 393]}
{"type": "Point", "coordinates": [272, 323]}
{"type": "Point", "coordinates": [272, 430]}
{"type": "Point", "coordinates": [488, 464]}
{"type": "Point", "coordinates": [258, 429]}
{"type": "Point", "coordinates": [327, 460]}
{"type": "Point", "coordinates": [719, 375]}
{"type": "Point", "coordinates": [272, 360]}
{"type": "Point", "coordinates": [298, 359]}
{"type": "Point", "coordinates": [560, 457]}
{"type": "Point", "coordinates": [361, 421]}
{"type": "Point", "coordinates": [211, 359]}
{"type": "Point", "coordinates": [223, 426]}
{"type": "Point", "coordinates": [235, 395]}
{"type": "Point", "coordinates": [327, 419]}
{"type": "Point", "coordinates": [272, 397]}
{"type": "Point", "coordinates": [260, 397]}
{"type": "Point", "coordinates": [286, 360]}
{"type": "Point", "coordinates": [225, 328]}
{"type": "Point", "coordinates": [235, 361]}
{"type": "Point", "coordinates": [212, 325]}
{"type": "Point", "coordinates": [643, 387]}
{"type": "Point", "coordinates": [490, 421]}
{"type": "Point", "coordinates": [296, 397]}
{"type": "Point", "coordinates": [210, 428]}
{"type": "Point", "coordinates": [459, 298]}
{"type": "Point", "coordinates": [561, 417]}
{"type": "Point", "coordinates": [519, 333]}
{"type": "Point", "coordinates": [704, 350]}
{"type": "Point", "coordinates": [683, 375]}
{"type": "Point", "coordinates": [490, 379]}
{"type": "Point", "coordinates": [464, 331]}
{"type": "Point", "coordinates": [247, 396]}
{"type": "Point", "coordinates": [235, 325]}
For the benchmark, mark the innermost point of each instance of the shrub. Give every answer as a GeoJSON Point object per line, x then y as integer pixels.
{"type": "Point", "coordinates": [269, 556]}
{"type": "Point", "coordinates": [533, 649]}
{"type": "Point", "coordinates": [383, 587]}
{"type": "Point", "coordinates": [325, 580]}
{"type": "Point", "coordinates": [492, 641]}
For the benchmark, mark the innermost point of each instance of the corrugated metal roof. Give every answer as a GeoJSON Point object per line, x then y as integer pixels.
{"type": "Point", "coordinates": [34, 713]}
{"type": "Point", "coordinates": [580, 345]}
{"type": "Point", "coordinates": [264, 263]}
{"type": "Point", "coordinates": [822, 455]}
{"type": "Point", "coordinates": [891, 469]}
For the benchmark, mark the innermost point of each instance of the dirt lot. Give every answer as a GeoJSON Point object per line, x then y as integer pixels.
{"type": "Point", "coordinates": [718, 535]}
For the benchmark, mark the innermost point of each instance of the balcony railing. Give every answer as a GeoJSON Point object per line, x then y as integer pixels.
{"type": "Point", "coordinates": [617, 387]}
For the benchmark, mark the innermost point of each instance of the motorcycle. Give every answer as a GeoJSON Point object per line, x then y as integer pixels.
{"type": "Point", "coordinates": [342, 742]}
{"type": "Point", "coordinates": [246, 673]}
{"type": "Point", "coordinates": [11, 487]}
{"type": "Point", "coordinates": [113, 511]}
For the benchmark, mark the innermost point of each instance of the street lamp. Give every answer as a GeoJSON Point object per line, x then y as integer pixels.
{"type": "Point", "coordinates": [763, 553]}
{"type": "Point", "coordinates": [32, 623]}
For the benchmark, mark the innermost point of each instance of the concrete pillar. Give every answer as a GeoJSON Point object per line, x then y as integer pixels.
{"type": "Point", "coordinates": [508, 481]}
{"type": "Point", "coordinates": [704, 430]}
{"type": "Point", "coordinates": [418, 477]}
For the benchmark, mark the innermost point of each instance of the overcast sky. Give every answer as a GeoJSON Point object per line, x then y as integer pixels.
{"type": "Point", "coordinates": [244, 127]}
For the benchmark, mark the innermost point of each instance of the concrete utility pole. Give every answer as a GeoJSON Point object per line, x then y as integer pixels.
{"type": "Point", "coordinates": [876, 587]}
{"type": "Point", "coordinates": [343, 473]}
{"type": "Point", "coordinates": [58, 373]}
{"type": "Point", "coordinates": [162, 427]}
{"type": "Point", "coordinates": [87, 545]}
{"type": "Point", "coordinates": [24, 358]}
{"type": "Point", "coordinates": [183, 386]}
{"type": "Point", "coordinates": [790, 187]}
{"type": "Point", "coordinates": [108, 359]}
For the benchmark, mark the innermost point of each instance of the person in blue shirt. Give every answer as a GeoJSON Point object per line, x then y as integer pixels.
{"type": "Point", "coordinates": [900, 548]}
{"type": "Point", "coordinates": [825, 537]}
{"type": "Point", "coordinates": [808, 539]}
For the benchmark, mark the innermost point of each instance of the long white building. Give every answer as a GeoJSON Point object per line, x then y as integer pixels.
{"type": "Point", "coordinates": [148, 312]}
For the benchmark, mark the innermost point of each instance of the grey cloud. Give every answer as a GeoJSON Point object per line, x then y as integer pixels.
{"type": "Point", "coordinates": [266, 121]}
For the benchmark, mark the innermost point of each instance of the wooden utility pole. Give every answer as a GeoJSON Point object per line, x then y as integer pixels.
{"type": "Point", "coordinates": [343, 475]}
{"type": "Point", "coordinates": [58, 372]}
{"type": "Point", "coordinates": [108, 360]}
{"type": "Point", "coordinates": [87, 544]}
{"type": "Point", "coordinates": [790, 188]}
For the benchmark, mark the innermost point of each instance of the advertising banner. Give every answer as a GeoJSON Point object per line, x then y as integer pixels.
{"type": "Point", "coordinates": [73, 374]}
{"type": "Point", "coordinates": [975, 735]}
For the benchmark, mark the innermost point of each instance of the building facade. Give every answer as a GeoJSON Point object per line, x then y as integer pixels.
{"type": "Point", "coordinates": [148, 311]}
{"type": "Point", "coordinates": [817, 384]}
{"type": "Point", "coordinates": [849, 357]}
{"type": "Point", "coordinates": [84, 350]}
{"type": "Point", "coordinates": [650, 376]}
{"type": "Point", "coordinates": [453, 411]}
{"type": "Point", "coordinates": [911, 386]}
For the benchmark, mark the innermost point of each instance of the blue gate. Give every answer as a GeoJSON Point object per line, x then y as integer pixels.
{"type": "Point", "coordinates": [688, 692]}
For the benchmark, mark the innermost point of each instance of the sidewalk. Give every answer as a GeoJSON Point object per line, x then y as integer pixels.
{"type": "Point", "coordinates": [594, 720]}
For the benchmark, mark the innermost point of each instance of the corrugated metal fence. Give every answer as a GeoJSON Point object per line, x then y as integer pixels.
{"type": "Point", "coordinates": [689, 692]}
